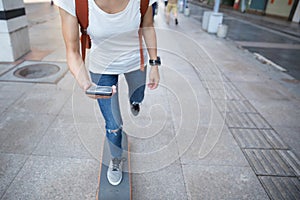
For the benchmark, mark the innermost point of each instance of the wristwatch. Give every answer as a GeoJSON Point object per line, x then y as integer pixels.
{"type": "Point", "coordinates": [155, 62]}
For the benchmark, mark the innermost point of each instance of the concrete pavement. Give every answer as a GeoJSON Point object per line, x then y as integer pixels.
{"type": "Point", "coordinates": [276, 39]}
{"type": "Point", "coordinates": [222, 125]}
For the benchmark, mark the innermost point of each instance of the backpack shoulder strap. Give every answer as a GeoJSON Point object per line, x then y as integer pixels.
{"type": "Point", "coordinates": [143, 7]}
{"type": "Point", "coordinates": [82, 13]}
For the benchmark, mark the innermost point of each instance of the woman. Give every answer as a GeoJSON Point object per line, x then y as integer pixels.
{"type": "Point", "coordinates": [113, 28]}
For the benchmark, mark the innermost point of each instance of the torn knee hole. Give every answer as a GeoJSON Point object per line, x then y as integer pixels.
{"type": "Point", "coordinates": [113, 131]}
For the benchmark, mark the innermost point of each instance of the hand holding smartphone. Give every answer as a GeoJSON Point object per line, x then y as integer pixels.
{"type": "Point", "coordinates": [99, 90]}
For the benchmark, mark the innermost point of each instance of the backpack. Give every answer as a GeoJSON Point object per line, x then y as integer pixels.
{"type": "Point", "coordinates": [82, 13]}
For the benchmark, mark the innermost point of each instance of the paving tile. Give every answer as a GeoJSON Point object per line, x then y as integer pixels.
{"type": "Point", "coordinates": [10, 165]}
{"type": "Point", "coordinates": [210, 116]}
{"type": "Point", "coordinates": [213, 77]}
{"type": "Point", "coordinates": [214, 85]}
{"type": "Point", "coordinates": [68, 82]}
{"type": "Point", "coordinates": [235, 106]}
{"type": "Point", "coordinates": [279, 112]}
{"type": "Point", "coordinates": [63, 139]}
{"type": "Point", "coordinates": [292, 160]}
{"type": "Point", "coordinates": [234, 94]}
{"type": "Point", "coordinates": [166, 183]}
{"type": "Point", "coordinates": [268, 162]}
{"type": "Point", "coordinates": [281, 187]}
{"type": "Point", "coordinates": [222, 182]}
{"type": "Point", "coordinates": [55, 178]}
{"type": "Point", "coordinates": [209, 68]}
{"type": "Point", "coordinates": [212, 145]}
{"type": "Point", "coordinates": [46, 100]}
{"type": "Point", "coordinates": [10, 93]}
{"type": "Point", "coordinates": [5, 103]}
{"type": "Point", "coordinates": [230, 86]}
{"type": "Point", "coordinates": [250, 138]}
{"type": "Point", "coordinates": [267, 91]}
{"type": "Point", "coordinates": [221, 105]}
{"type": "Point", "coordinates": [259, 121]}
{"type": "Point", "coordinates": [218, 94]}
{"type": "Point", "coordinates": [185, 111]}
{"type": "Point", "coordinates": [290, 137]}
{"type": "Point", "coordinates": [274, 139]}
{"type": "Point", "coordinates": [239, 120]}
{"type": "Point", "coordinates": [152, 153]}
{"type": "Point", "coordinates": [240, 106]}
{"type": "Point", "coordinates": [4, 67]}
{"type": "Point", "coordinates": [79, 105]}
{"type": "Point", "coordinates": [14, 90]}
{"type": "Point", "coordinates": [21, 132]}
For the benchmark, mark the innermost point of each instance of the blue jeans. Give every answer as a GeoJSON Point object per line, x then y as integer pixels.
{"type": "Point", "coordinates": [110, 108]}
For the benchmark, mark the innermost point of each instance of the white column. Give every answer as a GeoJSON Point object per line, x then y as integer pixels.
{"type": "Point", "coordinates": [14, 36]}
{"type": "Point", "coordinates": [217, 6]}
{"type": "Point", "coordinates": [296, 17]}
{"type": "Point", "coordinates": [243, 6]}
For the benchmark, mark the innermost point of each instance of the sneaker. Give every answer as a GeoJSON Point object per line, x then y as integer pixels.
{"type": "Point", "coordinates": [135, 109]}
{"type": "Point", "coordinates": [176, 21]}
{"type": "Point", "coordinates": [114, 172]}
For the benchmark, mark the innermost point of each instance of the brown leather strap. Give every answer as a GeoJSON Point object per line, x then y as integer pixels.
{"type": "Point", "coordinates": [143, 8]}
{"type": "Point", "coordinates": [82, 13]}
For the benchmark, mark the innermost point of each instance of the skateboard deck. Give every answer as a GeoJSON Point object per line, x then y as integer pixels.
{"type": "Point", "coordinates": [106, 191]}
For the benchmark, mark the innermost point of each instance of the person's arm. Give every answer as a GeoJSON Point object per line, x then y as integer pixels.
{"type": "Point", "coordinates": [150, 40]}
{"type": "Point", "coordinates": [71, 37]}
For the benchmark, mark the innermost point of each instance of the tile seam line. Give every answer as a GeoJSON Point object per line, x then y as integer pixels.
{"type": "Point", "coordinates": [178, 153]}
{"type": "Point", "coordinates": [9, 185]}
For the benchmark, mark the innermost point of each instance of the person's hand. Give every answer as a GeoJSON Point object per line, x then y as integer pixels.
{"type": "Point", "coordinates": [153, 78]}
{"type": "Point", "coordinates": [114, 91]}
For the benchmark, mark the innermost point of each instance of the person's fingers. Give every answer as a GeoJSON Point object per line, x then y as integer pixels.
{"type": "Point", "coordinates": [98, 96]}
{"type": "Point", "coordinates": [152, 85]}
{"type": "Point", "coordinates": [114, 89]}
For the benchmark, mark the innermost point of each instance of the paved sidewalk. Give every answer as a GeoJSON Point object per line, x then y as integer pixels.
{"type": "Point", "coordinates": [220, 126]}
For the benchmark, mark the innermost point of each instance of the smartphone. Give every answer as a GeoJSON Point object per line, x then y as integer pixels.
{"type": "Point", "coordinates": [99, 90]}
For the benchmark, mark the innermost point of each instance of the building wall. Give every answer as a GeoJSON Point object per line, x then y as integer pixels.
{"type": "Point", "coordinates": [280, 8]}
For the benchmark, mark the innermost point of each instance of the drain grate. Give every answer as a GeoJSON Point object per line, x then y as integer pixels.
{"type": "Point", "coordinates": [36, 71]}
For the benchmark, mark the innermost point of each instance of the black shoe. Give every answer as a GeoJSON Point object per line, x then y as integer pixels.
{"type": "Point", "coordinates": [135, 109]}
{"type": "Point", "coordinates": [176, 21]}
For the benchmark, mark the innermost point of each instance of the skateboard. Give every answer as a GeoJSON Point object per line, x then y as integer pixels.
{"type": "Point", "coordinates": [106, 191]}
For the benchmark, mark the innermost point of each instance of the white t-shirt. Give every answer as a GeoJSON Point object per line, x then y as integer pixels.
{"type": "Point", "coordinates": [115, 40]}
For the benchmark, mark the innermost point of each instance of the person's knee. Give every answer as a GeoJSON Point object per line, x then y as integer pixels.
{"type": "Point", "coordinates": [114, 131]}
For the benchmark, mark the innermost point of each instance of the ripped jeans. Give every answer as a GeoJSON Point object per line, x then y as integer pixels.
{"type": "Point", "coordinates": [110, 108]}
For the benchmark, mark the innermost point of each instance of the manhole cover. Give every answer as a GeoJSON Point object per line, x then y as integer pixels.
{"type": "Point", "coordinates": [36, 71]}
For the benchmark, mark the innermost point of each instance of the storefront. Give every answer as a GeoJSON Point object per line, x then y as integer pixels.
{"type": "Point", "coordinates": [257, 5]}
{"type": "Point", "coordinates": [281, 8]}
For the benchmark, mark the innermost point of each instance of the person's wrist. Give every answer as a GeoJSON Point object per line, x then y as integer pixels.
{"type": "Point", "coordinates": [155, 62]}
{"type": "Point", "coordinates": [154, 67]}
